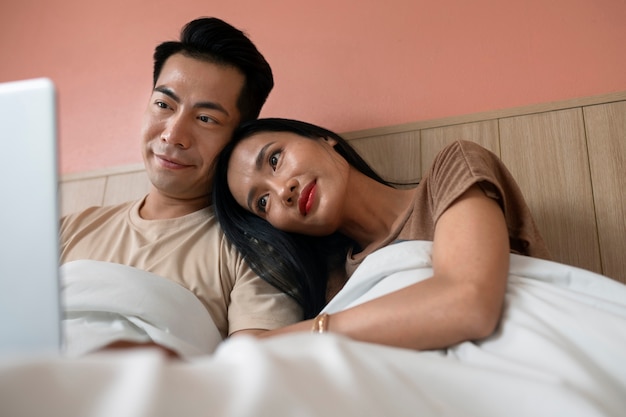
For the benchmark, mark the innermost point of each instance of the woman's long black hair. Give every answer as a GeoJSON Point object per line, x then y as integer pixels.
{"type": "Point", "coordinates": [296, 264]}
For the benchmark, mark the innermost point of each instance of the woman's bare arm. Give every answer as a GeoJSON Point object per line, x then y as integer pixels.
{"type": "Point", "coordinates": [462, 301]}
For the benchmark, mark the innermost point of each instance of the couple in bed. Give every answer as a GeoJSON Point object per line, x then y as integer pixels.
{"type": "Point", "coordinates": [300, 210]}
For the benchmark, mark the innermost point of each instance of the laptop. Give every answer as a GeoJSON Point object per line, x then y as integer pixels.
{"type": "Point", "coordinates": [30, 301]}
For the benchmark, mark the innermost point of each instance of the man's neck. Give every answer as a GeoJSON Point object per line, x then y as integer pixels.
{"type": "Point", "coordinates": [158, 207]}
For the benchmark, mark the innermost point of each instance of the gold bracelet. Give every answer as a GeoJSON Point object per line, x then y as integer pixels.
{"type": "Point", "coordinates": [320, 323]}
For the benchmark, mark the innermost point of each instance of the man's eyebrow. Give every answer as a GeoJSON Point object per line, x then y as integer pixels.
{"type": "Point", "coordinates": [258, 163]}
{"type": "Point", "coordinates": [167, 92]}
{"type": "Point", "coordinates": [210, 105]}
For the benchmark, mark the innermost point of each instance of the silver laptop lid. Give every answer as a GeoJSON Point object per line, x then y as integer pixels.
{"type": "Point", "coordinates": [30, 311]}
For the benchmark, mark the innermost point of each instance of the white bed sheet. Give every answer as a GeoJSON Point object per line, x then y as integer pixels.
{"type": "Point", "coordinates": [559, 351]}
{"type": "Point", "coordinates": [106, 302]}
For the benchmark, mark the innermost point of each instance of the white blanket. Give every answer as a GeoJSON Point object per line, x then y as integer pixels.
{"type": "Point", "coordinates": [559, 351]}
{"type": "Point", "coordinates": [106, 302]}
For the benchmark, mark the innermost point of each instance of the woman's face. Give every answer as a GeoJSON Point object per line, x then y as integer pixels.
{"type": "Point", "coordinates": [297, 184]}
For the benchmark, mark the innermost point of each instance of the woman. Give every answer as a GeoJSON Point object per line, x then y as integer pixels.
{"type": "Point", "coordinates": [290, 195]}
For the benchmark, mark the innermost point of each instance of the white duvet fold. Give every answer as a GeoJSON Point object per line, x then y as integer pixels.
{"type": "Point", "coordinates": [106, 302]}
{"type": "Point", "coordinates": [560, 324]}
{"type": "Point", "coordinates": [560, 350]}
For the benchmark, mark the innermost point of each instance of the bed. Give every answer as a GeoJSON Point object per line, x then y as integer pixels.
{"type": "Point", "coordinates": [560, 348]}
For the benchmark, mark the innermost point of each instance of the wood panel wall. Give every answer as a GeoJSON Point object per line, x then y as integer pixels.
{"type": "Point", "coordinates": [568, 157]}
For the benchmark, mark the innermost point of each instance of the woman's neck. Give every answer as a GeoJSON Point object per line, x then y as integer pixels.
{"type": "Point", "coordinates": [373, 210]}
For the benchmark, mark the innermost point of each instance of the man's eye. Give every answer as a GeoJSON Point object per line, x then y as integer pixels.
{"type": "Point", "coordinates": [162, 104]}
{"type": "Point", "coordinates": [262, 203]}
{"type": "Point", "coordinates": [205, 119]}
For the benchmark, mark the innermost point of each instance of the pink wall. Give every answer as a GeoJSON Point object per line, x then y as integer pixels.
{"type": "Point", "coordinates": [345, 64]}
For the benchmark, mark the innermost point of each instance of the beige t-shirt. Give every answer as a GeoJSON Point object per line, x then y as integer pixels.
{"type": "Point", "coordinates": [191, 251]}
{"type": "Point", "coordinates": [456, 168]}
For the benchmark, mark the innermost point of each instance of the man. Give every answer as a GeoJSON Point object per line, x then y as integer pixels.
{"type": "Point", "coordinates": [204, 86]}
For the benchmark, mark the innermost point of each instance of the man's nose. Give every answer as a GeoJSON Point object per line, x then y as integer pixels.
{"type": "Point", "coordinates": [175, 132]}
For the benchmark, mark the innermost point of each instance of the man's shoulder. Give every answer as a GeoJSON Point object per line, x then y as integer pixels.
{"type": "Point", "coordinates": [95, 212]}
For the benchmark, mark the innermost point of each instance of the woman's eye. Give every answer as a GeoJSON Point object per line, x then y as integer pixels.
{"type": "Point", "coordinates": [262, 203]}
{"type": "Point", "coordinates": [274, 159]}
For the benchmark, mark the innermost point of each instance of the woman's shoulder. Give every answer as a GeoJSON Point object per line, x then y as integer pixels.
{"type": "Point", "coordinates": [467, 155]}
{"type": "Point", "coordinates": [465, 147]}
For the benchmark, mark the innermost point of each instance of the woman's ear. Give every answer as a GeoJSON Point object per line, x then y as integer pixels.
{"type": "Point", "coordinates": [331, 141]}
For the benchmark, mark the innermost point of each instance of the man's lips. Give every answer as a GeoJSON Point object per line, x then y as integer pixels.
{"type": "Point", "coordinates": [170, 162]}
{"type": "Point", "coordinates": [305, 202]}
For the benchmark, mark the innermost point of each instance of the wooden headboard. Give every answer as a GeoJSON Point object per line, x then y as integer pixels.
{"type": "Point", "coordinates": [569, 159]}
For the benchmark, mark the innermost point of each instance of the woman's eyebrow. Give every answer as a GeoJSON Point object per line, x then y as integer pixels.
{"type": "Point", "coordinates": [261, 156]}
{"type": "Point", "coordinates": [251, 195]}
{"type": "Point", "coordinates": [258, 164]}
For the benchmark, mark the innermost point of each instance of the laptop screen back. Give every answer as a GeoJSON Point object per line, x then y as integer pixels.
{"type": "Point", "coordinates": [30, 311]}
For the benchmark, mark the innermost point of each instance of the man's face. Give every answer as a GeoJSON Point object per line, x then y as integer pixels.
{"type": "Point", "coordinates": [190, 117]}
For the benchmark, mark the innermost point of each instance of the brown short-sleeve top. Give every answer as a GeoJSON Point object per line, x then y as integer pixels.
{"type": "Point", "coordinates": [456, 168]}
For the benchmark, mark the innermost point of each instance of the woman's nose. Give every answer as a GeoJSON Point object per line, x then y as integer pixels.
{"type": "Point", "coordinates": [288, 192]}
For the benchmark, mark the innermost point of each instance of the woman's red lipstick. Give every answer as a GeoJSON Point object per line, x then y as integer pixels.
{"type": "Point", "coordinates": [306, 198]}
